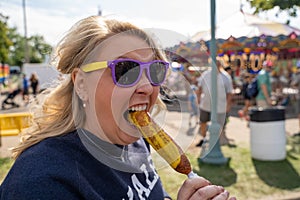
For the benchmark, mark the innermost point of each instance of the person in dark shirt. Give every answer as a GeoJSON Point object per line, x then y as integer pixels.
{"type": "Point", "coordinates": [34, 83]}
{"type": "Point", "coordinates": [81, 145]}
{"type": "Point", "coordinates": [248, 100]}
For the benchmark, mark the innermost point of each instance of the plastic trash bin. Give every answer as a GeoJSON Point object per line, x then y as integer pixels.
{"type": "Point", "coordinates": [267, 133]}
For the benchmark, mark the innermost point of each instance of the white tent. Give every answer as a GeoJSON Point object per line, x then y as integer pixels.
{"type": "Point", "coordinates": [242, 24]}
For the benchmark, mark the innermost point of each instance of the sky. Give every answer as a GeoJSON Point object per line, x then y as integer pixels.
{"type": "Point", "coordinates": [173, 20]}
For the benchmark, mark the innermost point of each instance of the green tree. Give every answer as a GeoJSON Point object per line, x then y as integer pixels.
{"type": "Point", "coordinates": [12, 45]}
{"type": "Point", "coordinates": [16, 51]}
{"type": "Point", "coordinates": [291, 6]}
{"type": "Point", "coordinates": [38, 48]}
{"type": "Point", "coordinates": [5, 42]}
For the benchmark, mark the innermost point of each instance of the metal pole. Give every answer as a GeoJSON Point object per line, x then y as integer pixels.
{"type": "Point", "coordinates": [26, 49]}
{"type": "Point", "coordinates": [213, 154]}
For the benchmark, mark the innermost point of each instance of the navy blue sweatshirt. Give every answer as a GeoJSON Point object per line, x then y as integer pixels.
{"type": "Point", "coordinates": [79, 165]}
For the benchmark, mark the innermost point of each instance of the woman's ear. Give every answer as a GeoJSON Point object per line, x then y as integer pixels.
{"type": "Point", "coordinates": [79, 84]}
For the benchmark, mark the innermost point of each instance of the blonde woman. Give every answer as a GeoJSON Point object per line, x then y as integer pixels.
{"type": "Point", "coordinates": [82, 146]}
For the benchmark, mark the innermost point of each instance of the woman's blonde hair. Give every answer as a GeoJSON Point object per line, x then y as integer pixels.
{"type": "Point", "coordinates": [56, 115]}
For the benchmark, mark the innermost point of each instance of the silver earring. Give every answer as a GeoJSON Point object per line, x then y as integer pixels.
{"type": "Point", "coordinates": [84, 105]}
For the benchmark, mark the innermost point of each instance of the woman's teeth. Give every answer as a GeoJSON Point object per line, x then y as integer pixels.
{"type": "Point", "coordinates": [138, 108]}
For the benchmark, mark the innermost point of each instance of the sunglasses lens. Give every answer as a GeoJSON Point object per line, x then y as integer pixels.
{"type": "Point", "coordinates": [126, 72]}
{"type": "Point", "coordinates": [157, 72]}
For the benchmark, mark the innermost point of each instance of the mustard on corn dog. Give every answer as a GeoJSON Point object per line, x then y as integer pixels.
{"type": "Point", "coordinates": [161, 141]}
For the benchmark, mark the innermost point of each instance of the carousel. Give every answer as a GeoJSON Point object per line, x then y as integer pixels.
{"type": "Point", "coordinates": [244, 42]}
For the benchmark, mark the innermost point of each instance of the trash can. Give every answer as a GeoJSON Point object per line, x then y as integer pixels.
{"type": "Point", "coordinates": [267, 133]}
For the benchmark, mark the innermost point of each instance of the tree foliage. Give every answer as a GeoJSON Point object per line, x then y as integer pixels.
{"type": "Point", "coordinates": [290, 6]}
{"type": "Point", "coordinates": [39, 49]}
{"type": "Point", "coordinates": [5, 42]}
{"type": "Point", "coordinates": [16, 51]}
{"type": "Point", "coordinates": [12, 45]}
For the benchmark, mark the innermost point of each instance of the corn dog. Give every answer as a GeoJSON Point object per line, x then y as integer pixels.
{"type": "Point", "coordinates": [161, 141]}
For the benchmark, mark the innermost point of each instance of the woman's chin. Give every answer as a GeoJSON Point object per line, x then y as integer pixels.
{"type": "Point", "coordinates": [128, 138]}
{"type": "Point", "coordinates": [128, 132]}
{"type": "Point", "coordinates": [129, 129]}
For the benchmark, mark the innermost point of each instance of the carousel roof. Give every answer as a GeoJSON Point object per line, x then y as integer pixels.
{"type": "Point", "coordinates": [246, 25]}
{"type": "Point", "coordinates": [241, 34]}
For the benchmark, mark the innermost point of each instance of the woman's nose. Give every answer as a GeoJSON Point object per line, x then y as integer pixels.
{"type": "Point", "coordinates": [144, 86]}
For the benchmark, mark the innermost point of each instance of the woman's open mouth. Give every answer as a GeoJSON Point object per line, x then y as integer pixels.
{"type": "Point", "coordinates": [134, 108]}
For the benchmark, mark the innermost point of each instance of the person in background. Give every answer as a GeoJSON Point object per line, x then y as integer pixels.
{"type": "Point", "coordinates": [193, 105]}
{"type": "Point", "coordinates": [25, 89]}
{"type": "Point", "coordinates": [81, 145]}
{"type": "Point", "coordinates": [296, 83]}
{"type": "Point", "coordinates": [263, 98]}
{"type": "Point", "coordinates": [9, 100]}
{"type": "Point", "coordinates": [224, 93]}
{"type": "Point", "coordinates": [16, 89]}
{"type": "Point", "coordinates": [243, 113]}
{"type": "Point", "coordinates": [227, 71]}
{"type": "Point", "coordinates": [34, 83]}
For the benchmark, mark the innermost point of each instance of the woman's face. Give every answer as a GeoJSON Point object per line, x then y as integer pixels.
{"type": "Point", "coordinates": [107, 103]}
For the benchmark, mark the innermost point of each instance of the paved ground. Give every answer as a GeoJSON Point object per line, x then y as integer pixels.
{"type": "Point", "coordinates": [237, 129]}
{"type": "Point", "coordinates": [177, 124]}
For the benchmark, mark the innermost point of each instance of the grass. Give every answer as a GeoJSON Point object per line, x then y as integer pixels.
{"type": "Point", "coordinates": [242, 176]}
{"type": "Point", "coordinates": [5, 165]}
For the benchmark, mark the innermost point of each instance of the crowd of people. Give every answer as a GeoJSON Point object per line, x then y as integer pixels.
{"type": "Point", "coordinates": [274, 89]}
{"type": "Point", "coordinates": [19, 84]}
{"type": "Point", "coordinates": [268, 92]}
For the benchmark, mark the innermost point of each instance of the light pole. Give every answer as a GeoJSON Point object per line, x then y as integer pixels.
{"type": "Point", "coordinates": [26, 49]}
{"type": "Point", "coordinates": [213, 154]}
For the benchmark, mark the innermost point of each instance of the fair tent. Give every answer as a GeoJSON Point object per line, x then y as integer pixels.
{"type": "Point", "coordinates": [243, 24]}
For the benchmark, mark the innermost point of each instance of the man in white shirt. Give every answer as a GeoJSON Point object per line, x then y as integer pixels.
{"type": "Point", "coordinates": [224, 95]}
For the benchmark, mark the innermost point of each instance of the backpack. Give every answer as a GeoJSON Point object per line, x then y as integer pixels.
{"type": "Point", "coordinates": [252, 89]}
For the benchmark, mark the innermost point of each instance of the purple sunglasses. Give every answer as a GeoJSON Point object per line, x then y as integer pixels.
{"type": "Point", "coordinates": [127, 72]}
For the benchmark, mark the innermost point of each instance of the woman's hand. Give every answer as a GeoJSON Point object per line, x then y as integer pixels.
{"type": "Point", "coordinates": [200, 188]}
